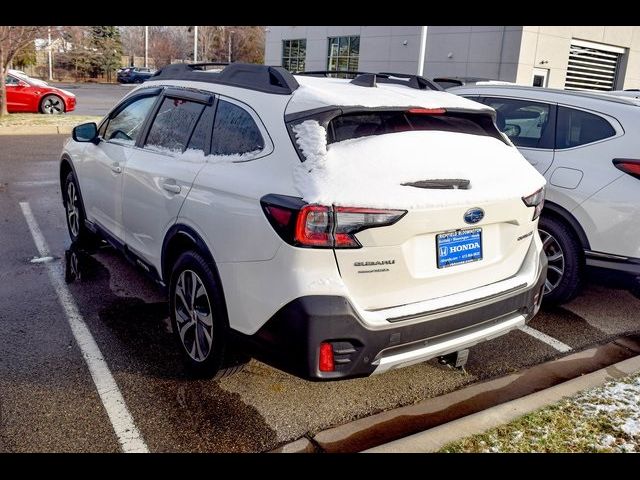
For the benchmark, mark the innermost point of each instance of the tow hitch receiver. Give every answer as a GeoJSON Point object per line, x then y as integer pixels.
{"type": "Point", "coordinates": [455, 360]}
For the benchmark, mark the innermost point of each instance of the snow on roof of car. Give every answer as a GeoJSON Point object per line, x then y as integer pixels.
{"type": "Point", "coordinates": [318, 92]}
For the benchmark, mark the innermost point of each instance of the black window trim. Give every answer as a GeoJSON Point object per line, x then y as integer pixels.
{"type": "Point", "coordinates": [615, 124]}
{"type": "Point", "coordinates": [208, 99]}
{"type": "Point", "coordinates": [551, 128]}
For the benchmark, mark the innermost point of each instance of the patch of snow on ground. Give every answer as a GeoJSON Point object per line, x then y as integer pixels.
{"type": "Point", "coordinates": [370, 171]}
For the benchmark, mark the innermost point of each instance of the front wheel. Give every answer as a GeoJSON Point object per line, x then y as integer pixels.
{"type": "Point", "coordinates": [52, 105]}
{"type": "Point", "coordinates": [198, 317]}
{"type": "Point", "coordinates": [566, 261]}
{"type": "Point", "coordinates": [75, 211]}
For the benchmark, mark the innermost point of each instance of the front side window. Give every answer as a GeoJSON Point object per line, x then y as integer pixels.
{"type": "Point", "coordinates": [173, 124]}
{"type": "Point", "coordinates": [9, 80]}
{"type": "Point", "coordinates": [343, 53]}
{"type": "Point", "coordinates": [526, 123]}
{"type": "Point", "coordinates": [126, 126]}
{"type": "Point", "coordinates": [294, 53]}
{"type": "Point", "coordinates": [576, 127]}
{"type": "Point", "coordinates": [235, 132]}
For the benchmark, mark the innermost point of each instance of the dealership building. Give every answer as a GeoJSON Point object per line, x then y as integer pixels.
{"type": "Point", "coordinates": [571, 57]}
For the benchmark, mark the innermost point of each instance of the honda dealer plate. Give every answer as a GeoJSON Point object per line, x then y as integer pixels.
{"type": "Point", "coordinates": [456, 248]}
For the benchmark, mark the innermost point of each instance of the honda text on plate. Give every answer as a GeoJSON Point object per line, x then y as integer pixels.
{"type": "Point", "coordinates": [330, 227]}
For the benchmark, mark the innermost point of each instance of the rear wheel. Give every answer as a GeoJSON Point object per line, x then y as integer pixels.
{"type": "Point", "coordinates": [52, 105]}
{"type": "Point", "coordinates": [566, 261]}
{"type": "Point", "coordinates": [198, 317]}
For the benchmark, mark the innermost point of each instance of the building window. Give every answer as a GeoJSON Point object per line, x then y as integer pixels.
{"type": "Point", "coordinates": [343, 53]}
{"type": "Point", "coordinates": [294, 53]}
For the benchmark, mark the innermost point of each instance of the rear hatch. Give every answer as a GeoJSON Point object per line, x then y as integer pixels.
{"type": "Point", "coordinates": [459, 181]}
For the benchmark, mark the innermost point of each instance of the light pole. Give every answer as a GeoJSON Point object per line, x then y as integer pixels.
{"type": "Point", "coordinates": [50, 60]}
{"type": "Point", "coordinates": [195, 44]}
{"type": "Point", "coordinates": [146, 47]}
{"type": "Point", "coordinates": [423, 50]}
{"type": "Point", "coordinates": [230, 33]}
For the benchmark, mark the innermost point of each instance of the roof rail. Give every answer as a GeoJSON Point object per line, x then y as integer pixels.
{"type": "Point", "coordinates": [326, 73]}
{"type": "Point", "coordinates": [262, 78]}
{"type": "Point", "coordinates": [412, 81]}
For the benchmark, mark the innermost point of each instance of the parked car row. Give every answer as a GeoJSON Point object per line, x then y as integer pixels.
{"type": "Point", "coordinates": [134, 74]}
{"type": "Point", "coordinates": [337, 228]}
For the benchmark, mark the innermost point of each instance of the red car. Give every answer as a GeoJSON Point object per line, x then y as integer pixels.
{"type": "Point", "coordinates": [26, 94]}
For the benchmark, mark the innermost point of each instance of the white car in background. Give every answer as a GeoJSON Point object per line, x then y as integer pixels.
{"type": "Point", "coordinates": [586, 146]}
{"type": "Point", "coordinates": [332, 228]}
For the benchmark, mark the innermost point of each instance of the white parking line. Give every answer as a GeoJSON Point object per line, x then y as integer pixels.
{"type": "Point", "coordinates": [128, 435]}
{"type": "Point", "coordinates": [543, 337]}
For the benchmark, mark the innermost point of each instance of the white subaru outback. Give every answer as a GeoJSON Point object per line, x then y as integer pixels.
{"type": "Point", "coordinates": [330, 227]}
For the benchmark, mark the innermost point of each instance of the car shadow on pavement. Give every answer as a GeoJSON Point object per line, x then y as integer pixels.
{"type": "Point", "coordinates": [175, 411]}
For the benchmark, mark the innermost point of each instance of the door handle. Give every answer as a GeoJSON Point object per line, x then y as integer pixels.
{"type": "Point", "coordinates": [171, 187]}
{"type": "Point", "coordinates": [116, 168]}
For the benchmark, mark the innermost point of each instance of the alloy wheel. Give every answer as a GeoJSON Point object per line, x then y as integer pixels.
{"type": "Point", "coordinates": [555, 256]}
{"type": "Point", "coordinates": [194, 317]}
{"type": "Point", "coordinates": [52, 105]}
{"type": "Point", "coordinates": [73, 217]}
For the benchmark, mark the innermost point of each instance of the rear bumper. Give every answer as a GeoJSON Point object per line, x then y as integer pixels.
{"type": "Point", "coordinates": [290, 340]}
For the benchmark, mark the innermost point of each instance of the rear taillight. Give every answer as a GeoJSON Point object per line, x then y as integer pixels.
{"type": "Point", "coordinates": [632, 167]}
{"type": "Point", "coordinates": [319, 226]}
{"type": "Point", "coordinates": [536, 199]}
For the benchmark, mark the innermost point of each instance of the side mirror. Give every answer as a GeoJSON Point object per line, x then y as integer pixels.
{"type": "Point", "coordinates": [85, 132]}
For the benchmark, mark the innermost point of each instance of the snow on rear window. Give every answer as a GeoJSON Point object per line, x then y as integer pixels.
{"type": "Point", "coordinates": [370, 171]}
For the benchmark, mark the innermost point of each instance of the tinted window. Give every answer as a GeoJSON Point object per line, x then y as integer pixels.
{"type": "Point", "coordinates": [234, 131]}
{"type": "Point", "coordinates": [576, 127]}
{"type": "Point", "coordinates": [126, 126]}
{"type": "Point", "coordinates": [525, 123]}
{"type": "Point", "coordinates": [363, 124]}
{"type": "Point", "coordinates": [200, 135]}
{"type": "Point", "coordinates": [173, 124]}
{"type": "Point", "coordinates": [9, 80]}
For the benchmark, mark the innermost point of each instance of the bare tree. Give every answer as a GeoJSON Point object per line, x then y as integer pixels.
{"type": "Point", "coordinates": [247, 43]}
{"type": "Point", "coordinates": [168, 43]}
{"type": "Point", "coordinates": [12, 41]}
{"type": "Point", "coordinates": [132, 40]}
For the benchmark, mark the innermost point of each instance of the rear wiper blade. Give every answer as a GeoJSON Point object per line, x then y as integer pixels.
{"type": "Point", "coordinates": [447, 183]}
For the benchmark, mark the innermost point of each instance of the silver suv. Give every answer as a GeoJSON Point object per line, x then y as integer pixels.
{"type": "Point", "coordinates": [586, 146]}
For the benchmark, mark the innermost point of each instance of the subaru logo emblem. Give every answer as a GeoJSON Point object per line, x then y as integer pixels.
{"type": "Point", "coordinates": [473, 215]}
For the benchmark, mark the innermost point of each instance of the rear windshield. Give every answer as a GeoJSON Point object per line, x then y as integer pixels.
{"type": "Point", "coordinates": [362, 124]}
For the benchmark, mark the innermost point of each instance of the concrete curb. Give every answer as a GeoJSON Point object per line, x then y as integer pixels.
{"type": "Point", "coordinates": [434, 439]}
{"type": "Point", "coordinates": [37, 130]}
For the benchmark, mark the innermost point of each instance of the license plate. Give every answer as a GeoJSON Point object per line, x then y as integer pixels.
{"type": "Point", "coordinates": [456, 248]}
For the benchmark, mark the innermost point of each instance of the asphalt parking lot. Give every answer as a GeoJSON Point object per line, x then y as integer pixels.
{"type": "Point", "coordinates": [48, 400]}
{"type": "Point", "coordinates": [95, 98]}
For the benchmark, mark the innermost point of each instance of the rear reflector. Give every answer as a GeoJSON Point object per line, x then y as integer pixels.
{"type": "Point", "coordinates": [632, 167]}
{"type": "Point", "coordinates": [325, 362]}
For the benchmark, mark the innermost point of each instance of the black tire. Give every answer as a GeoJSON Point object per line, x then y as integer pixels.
{"type": "Point", "coordinates": [138, 80]}
{"type": "Point", "coordinates": [563, 250]}
{"type": "Point", "coordinates": [52, 105]}
{"type": "Point", "coordinates": [79, 233]}
{"type": "Point", "coordinates": [218, 360]}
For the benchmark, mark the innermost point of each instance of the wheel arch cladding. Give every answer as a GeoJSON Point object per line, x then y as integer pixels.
{"type": "Point", "coordinates": [560, 213]}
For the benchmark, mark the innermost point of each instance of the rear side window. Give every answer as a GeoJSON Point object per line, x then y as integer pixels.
{"type": "Point", "coordinates": [200, 137]}
{"type": "Point", "coordinates": [234, 131]}
{"type": "Point", "coordinates": [173, 124]}
{"type": "Point", "coordinates": [576, 127]}
{"type": "Point", "coordinates": [126, 126]}
{"type": "Point", "coordinates": [526, 123]}
{"type": "Point", "coordinates": [362, 124]}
